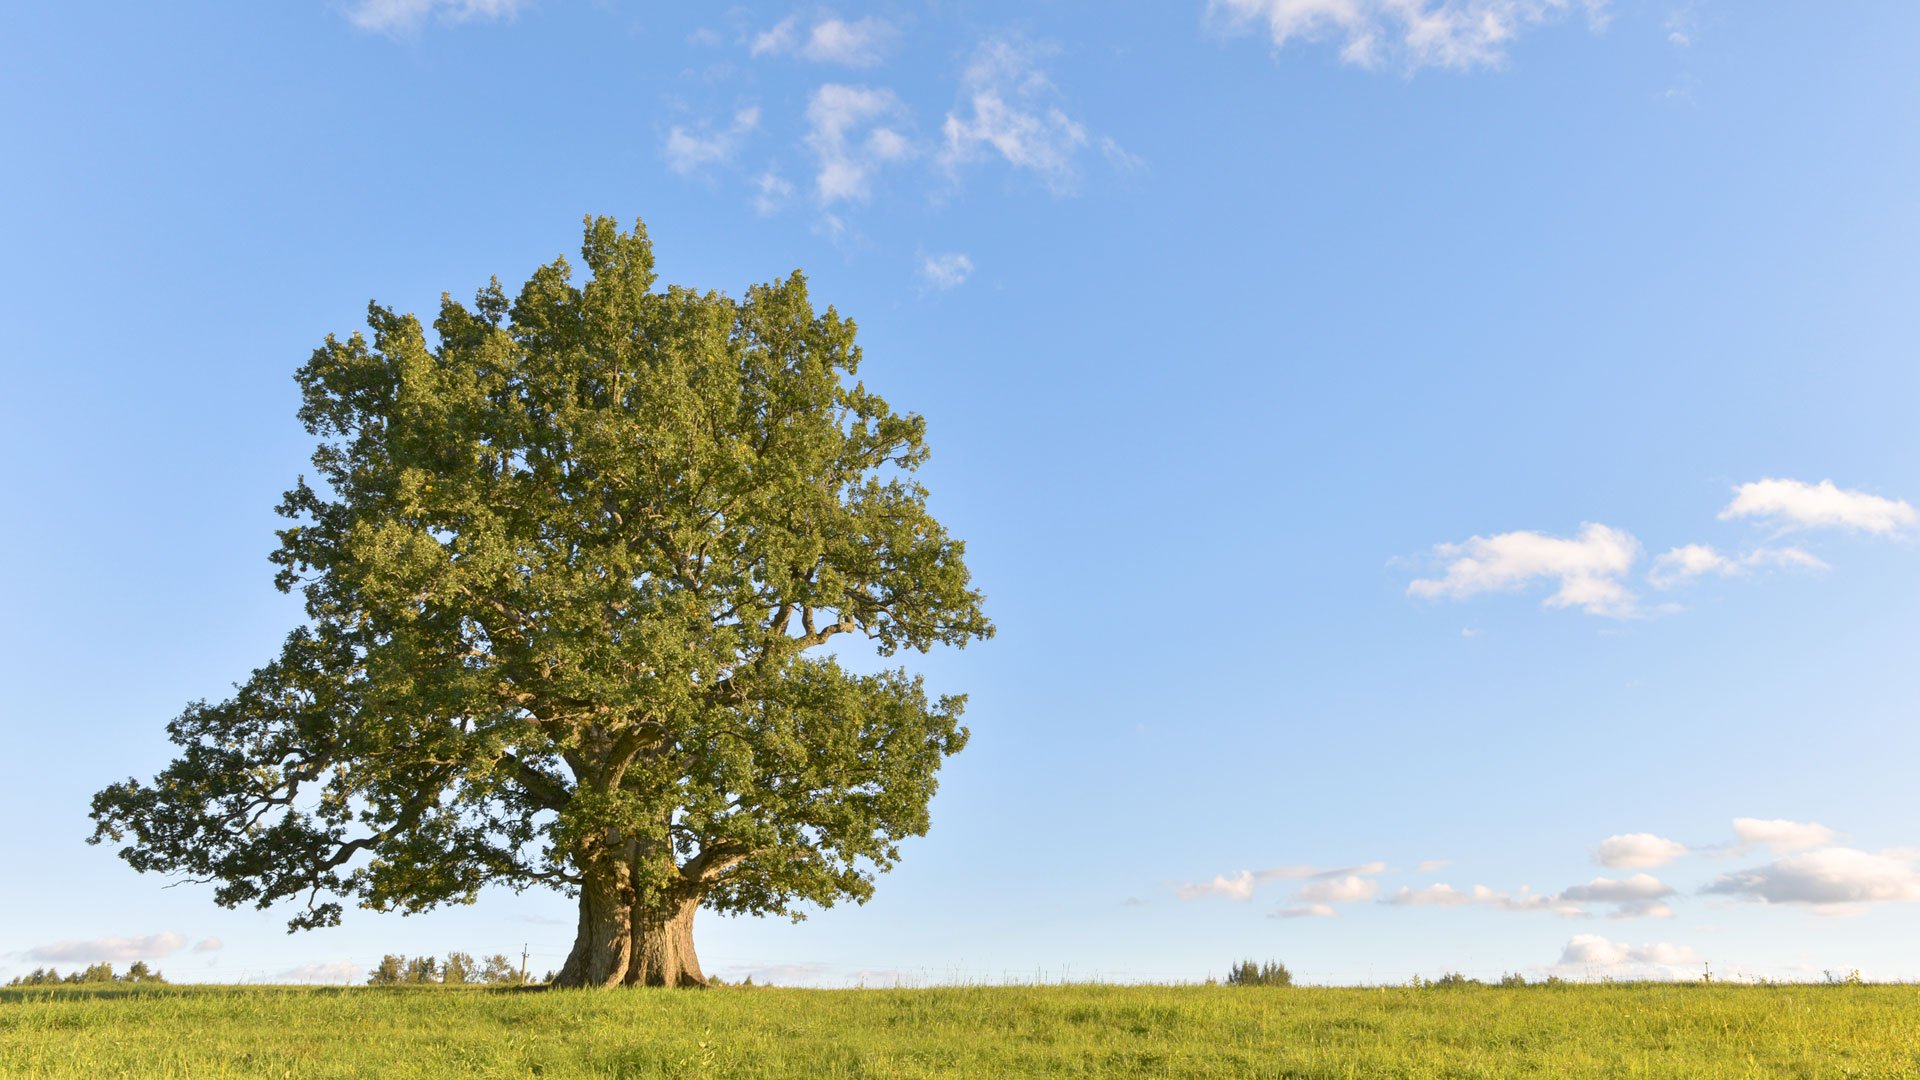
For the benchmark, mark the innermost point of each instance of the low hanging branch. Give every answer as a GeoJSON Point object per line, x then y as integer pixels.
{"type": "Point", "coordinates": [551, 570]}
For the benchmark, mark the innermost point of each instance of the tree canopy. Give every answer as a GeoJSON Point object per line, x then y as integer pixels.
{"type": "Point", "coordinates": [575, 567]}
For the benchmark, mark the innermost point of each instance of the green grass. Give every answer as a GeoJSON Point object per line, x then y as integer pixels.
{"type": "Point", "coordinates": [1610, 1030]}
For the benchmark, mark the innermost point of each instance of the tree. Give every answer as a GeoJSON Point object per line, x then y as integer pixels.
{"type": "Point", "coordinates": [458, 969]}
{"type": "Point", "coordinates": [391, 972]}
{"type": "Point", "coordinates": [499, 971]}
{"type": "Point", "coordinates": [574, 572]}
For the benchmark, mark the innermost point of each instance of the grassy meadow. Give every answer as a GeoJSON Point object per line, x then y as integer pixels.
{"type": "Point", "coordinates": [1610, 1030]}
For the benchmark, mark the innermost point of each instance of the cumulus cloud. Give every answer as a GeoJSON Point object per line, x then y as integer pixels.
{"type": "Point", "coordinates": [1458, 34]}
{"type": "Point", "coordinates": [1588, 568]}
{"type": "Point", "coordinates": [946, 271]}
{"type": "Point", "coordinates": [861, 43]}
{"type": "Point", "coordinates": [1639, 896]}
{"type": "Point", "coordinates": [687, 151]}
{"type": "Point", "coordinates": [1781, 835]}
{"type": "Point", "coordinates": [1835, 879]}
{"type": "Point", "coordinates": [210, 944]}
{"type": "Point", "coordinates": [1794, 504]}
{"type": "Point", "coordinates": [1591, 954]}
{"type": "Point", "coordinates": [406, 16]}
{"type": "Point", "coordinates": [1681, 565]}
{"type": "Point", "coordinates": [1637, 851]}
{"type": "Point", "coordinates": [114, 950]}
{"type": "Point", "coordinates": [851, 134]}
{"type": "Point", "coordinates": [1010, 109]}
{"type": "Point", "coordinates": [1306, 911]}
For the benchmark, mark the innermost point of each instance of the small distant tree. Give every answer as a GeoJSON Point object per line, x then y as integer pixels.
{"type": "Point", "coordinates": [459, 969]}
{"type": "Point", "coordinates": [1248, 973]}
{"type": "Point", "coordinates": [497, 970]}
{"type": "Point", "coordinates": [37, 977]}
{"type": "Point", "coordinates": [1513, 978]}
{"type": "Point", "coordinates": [141, 973]}
{"type": "Point", "coordinates": [1453, 980]}
{"type": "Point", "coordinates": [422, 969]}
{"type": "Point", "coordinates": [93, 975]}
{"type": "Point", "coordinates": [391, 972]}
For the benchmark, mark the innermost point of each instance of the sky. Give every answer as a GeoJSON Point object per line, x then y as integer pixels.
{"type": "Point", "coordinates": [1444, 471]}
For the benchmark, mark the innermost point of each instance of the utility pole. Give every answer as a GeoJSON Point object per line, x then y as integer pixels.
{"type": "Point", "coordinates": [523, 963]}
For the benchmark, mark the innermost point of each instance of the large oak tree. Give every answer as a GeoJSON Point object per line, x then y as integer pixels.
{"type": "Point", "coordinates": [573, 572]}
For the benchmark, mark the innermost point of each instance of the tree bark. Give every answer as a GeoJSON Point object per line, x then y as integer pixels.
{"type": "Point", "coordinates": [624, 940]}
{"type": "Point", "coordinates": [603, 945]}
{"type": "Point", "coordinates": [663, 944]}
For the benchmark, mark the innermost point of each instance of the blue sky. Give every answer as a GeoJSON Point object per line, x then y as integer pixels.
{"type": "Point", "coordinates": [1443, 472]}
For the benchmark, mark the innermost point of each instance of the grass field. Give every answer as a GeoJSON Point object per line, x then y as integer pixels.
{"type": "Point", "coordinates": [1611, 1030]}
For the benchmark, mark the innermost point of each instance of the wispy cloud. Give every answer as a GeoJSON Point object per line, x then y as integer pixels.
{"type": "Point", "coordinates": [1410, 34]}
{"type": "Point", "coordinates": [852, 131]}
{"type": "Point", "coordinates": [209, 944]}
{"type": "Point", "coordinates": [946, 271]}
{"type": "Point", "coordinates": [1009, 109]}
{"type": "Point", "coordinates": [1682, 565]}
{"type": "Point", "coordinates": [115, 950]}
{"type": "Point", "coordinates": [1236, 887]}
{"type": "Point", "coordinates": [1795, 504]}
{"type": "Point", "coordinates": [689, 151]}
{"type": "Point", "coordinates": [770, 193]}
{"type": "Point", "coordinates": [861, 43]}
{"type": "Point", "coordinates": [407, 16]}
{"type": "Point", "coordinates": [337, 972]}
{"type": "Point", "coordinates": [1588, 569]}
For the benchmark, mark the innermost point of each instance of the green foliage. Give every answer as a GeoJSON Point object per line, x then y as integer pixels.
{"type": "Point", "coordinates": [569, 565]}
{"type": "Point", "coordinates": [1248, 973]}
{"type": "Point", "coordinates": [391, 971]}
{"type": "Point", "coordinates": [1452, 980]}
{"type": "Point", "coordinates": [92, 975]}
{"type": "Point", "coordinates": [1719, 1032]}
{"type": "Point", "coordinates": [499, 971]}
{"type": "Point", "coordinates": [1513, 979]}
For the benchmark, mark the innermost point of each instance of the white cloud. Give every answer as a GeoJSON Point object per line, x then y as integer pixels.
{"type": "Point", "coordinates": [1457, 34]}
{"type": "Point", "coordinates": [1010, 110]}
{"type": "Point", "coordinates": [406, 16]}
{"type": "Point", "coordinates": [1591, 954]}
{"type": "Point", "coordinates": [848, 139]}
{"type": "Point", "coordinates": [1681, 565]}
{"type": "Point", "coordinates": [946, 271]}
{"type": "Point", "coordinates": [1782, 835]}
{"type": "Point", "coordinates": [1437, 895]}
{"type": "Point", "coordinates": [688, 151]}
{"type": "Point", "coordinates": [114, 950]}
{"type": "Point", "coordinates": [861, 43]}
{"type": "Point", "coordinates": [1793, 504]}
{"type": "Point", "coordinates": [337, 972]}
{"type": "Point", "coordinates": [1588, 568]}
{"type": "Point", "coordinates": [1639, 896]}
{"type": "Point", "coordinates": [211, 944]}
{"type": "Point", "coordinates": [1237, 887]}
{"type": "Point", "coordinates": [1306, 911]}
{"type": "Point", "coordinates": [770, 193]}
{"type": "Point", "coordinates": [1427, 865]}
{"type": "Point", "coordinates": [1637, 851]}
{"type": "Point", "coordinates": [1835, 879]}
{"type": "Point", "coordinates": [1346, 889]}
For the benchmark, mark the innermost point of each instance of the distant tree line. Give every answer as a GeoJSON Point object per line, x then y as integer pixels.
{"type": "Point", "coordinates": [94, 975]}
{"type": "Point", "coordinates": [456, 970]}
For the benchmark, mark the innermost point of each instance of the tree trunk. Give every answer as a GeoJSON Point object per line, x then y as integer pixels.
{"type": "Point", "coordinates": [622, 941]}
{"type": "Point", "coordinates": [663, 944]}
{"type": "Point", "coordinates": [603, 945]}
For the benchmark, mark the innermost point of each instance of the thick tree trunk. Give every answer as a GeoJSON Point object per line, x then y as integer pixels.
{"type": "Point", "coordinates": [603, 945]}
{"type": "Point", "coordinates": [663, 945]}
{"type": "Point", "coordinates": [625, 941]}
